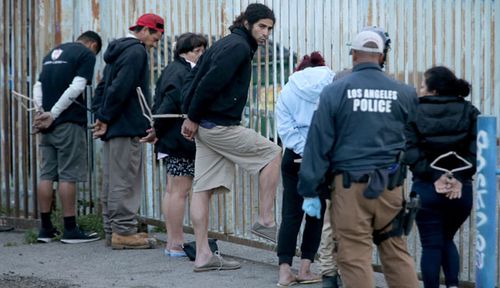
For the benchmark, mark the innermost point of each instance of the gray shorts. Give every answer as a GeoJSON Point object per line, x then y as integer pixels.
{"type": "Point", "coordinates": [63, 154]}
{"type": "Point", "coordinates": [218, 149]}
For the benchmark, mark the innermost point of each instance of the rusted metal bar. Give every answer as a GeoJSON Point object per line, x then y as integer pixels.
{"type": "Point", "coordinates": [24, 120]}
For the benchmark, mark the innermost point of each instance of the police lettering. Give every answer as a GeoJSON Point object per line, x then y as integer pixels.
{"type": "Point", "coordinates": [372, 105]}
{"type": "Point", "coordinates": [354, 93]}
{"type": "Point", "coordinates": [372, 100]}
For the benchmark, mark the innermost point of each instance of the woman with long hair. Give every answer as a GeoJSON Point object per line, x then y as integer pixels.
{"type": "Point", "coordinates": [445, 122]}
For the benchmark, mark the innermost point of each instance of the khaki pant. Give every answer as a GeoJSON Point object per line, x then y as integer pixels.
{"type": "Point", "coordinates": [122, 181]}
{"type": "Point", "coordinates": [219, 148]}
{"type": "Point", "coordinates": [355, 217]}
{"type": "Point", "coordinates": [327, 248]}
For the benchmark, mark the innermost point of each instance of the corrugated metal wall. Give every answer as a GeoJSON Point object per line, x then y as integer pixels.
{"type": "Point", "coordinates": [462, 35]}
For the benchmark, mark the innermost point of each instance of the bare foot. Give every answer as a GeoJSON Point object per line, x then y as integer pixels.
{"type": "Point", "coordinates": [286, 276]}
{"type": "Point", "coordinates": [287, 280]}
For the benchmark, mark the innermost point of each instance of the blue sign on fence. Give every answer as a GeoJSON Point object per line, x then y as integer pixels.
{"type": "Point", "coordinates": [486, 210]}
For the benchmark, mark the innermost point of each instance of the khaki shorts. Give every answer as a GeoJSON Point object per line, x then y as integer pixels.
{"type": "Point", "coordinates": [63, 154]}
{"type": "Point", "coordinates": [218, 149]}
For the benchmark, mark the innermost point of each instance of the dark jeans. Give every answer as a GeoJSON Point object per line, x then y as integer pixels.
{"type": "Point", "coordinates": [438, 221]}
{"type": "Point", "coordinates": [292, 215]}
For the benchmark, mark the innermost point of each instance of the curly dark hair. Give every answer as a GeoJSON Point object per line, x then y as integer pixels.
{"type": "Point", "coordinates": [253, 14]}
{"type": "Point", "coordinates": [444, 82]}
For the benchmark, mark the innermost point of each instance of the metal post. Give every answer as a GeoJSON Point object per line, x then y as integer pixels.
{"type": "Point", "coordinates": [90, 153]}
{"type": "Point", "coordinates": [486, 210]}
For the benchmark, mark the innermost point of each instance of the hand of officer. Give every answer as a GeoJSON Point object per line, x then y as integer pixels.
{"type": "Point", "coordinates": [312, 207]}
{"type": "Point", "coordinates": [189, 129]}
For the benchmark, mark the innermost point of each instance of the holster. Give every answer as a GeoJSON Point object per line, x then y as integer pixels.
{"type": "Point", "coordinates": [397, 177]}
{"type": "Point", "coordinates": [402, 223]}
{"type": "Point", "coordinates": [412, 208]}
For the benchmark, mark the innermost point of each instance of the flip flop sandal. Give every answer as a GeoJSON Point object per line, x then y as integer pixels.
{"type": "Point", "coordinates": [291, 283]}
{"type": "Point", "coordinates": [309, 281]}
{"type": "Point", "coordinates": [173, 253]}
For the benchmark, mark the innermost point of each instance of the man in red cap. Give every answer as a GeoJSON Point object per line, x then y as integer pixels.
{"type": "Point", "coordinates": [122, 127]}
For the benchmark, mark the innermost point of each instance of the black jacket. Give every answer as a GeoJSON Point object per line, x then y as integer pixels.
{"type": "Point", "coordinates": [115, 101]}
{"type": "Point", "coordinates": [168, 100]}
{"type": "Point", "coordinates": [442, 124]}
{"type": "Point", "coordinates": [358, 126]}
{"type": "Point", "coordinates": [219, 89]}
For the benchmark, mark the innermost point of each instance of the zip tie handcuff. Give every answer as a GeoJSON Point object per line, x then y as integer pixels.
{"type": "Point", "coordinates": [449, 173]}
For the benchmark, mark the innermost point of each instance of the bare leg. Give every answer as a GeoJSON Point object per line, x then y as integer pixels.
{"type": "Point", "coordinates": [67, 192]}
{"type": "Point", "coordinates": [45, 195]}
{"type": "Point", "coordinates": [173, 205]}
{"type": "Point", "coordinates": [199, 216]}
{"type": "Point", "coordinates": [268, 181]}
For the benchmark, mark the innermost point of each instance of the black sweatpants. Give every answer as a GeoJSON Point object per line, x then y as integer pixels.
{"type": "Point", "coordinates": [292, 215]}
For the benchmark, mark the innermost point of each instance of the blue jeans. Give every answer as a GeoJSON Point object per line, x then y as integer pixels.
{"type": "Point", "coordinates": [438, 220]}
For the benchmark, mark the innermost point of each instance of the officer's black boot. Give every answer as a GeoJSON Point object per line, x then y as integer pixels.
{"type": "Point", "coordinates": [332, 281]}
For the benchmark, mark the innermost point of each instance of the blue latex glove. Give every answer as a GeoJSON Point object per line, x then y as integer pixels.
{"type": "Point", "coordinates": [312, 207]}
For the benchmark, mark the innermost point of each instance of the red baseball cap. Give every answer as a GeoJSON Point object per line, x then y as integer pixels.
{"type": "Point", "coordinates": [149, 20]}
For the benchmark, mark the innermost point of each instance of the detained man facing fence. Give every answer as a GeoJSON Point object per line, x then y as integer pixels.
{"type": "Point", "coordinates": [122, 127]}
{"type": "Point", "coordinates": [66, 71]}
{"type": "Point", "coordinates": [214, 104]}
{"type": "Point", "coordinates": [357, 136]}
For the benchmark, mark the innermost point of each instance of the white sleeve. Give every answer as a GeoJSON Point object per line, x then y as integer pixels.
{"type": "Point", "coordinates": [71, 93]}
{"type": "Point", "coordinates": [37, 96]}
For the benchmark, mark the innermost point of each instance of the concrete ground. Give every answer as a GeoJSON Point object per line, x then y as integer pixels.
{"type": "Point", "coordinates": [58, 265]}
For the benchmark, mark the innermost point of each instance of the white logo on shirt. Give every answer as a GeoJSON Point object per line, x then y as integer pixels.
{"type": "Point", "coordinates": [56, 53]}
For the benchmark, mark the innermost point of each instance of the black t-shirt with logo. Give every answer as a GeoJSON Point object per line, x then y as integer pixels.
{"type": "Point", "coordinates": [60, 66]}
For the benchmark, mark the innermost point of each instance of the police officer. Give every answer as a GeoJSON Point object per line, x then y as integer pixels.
{"type": "Point", "coordinates": [327, 251]}
{"type": "Point", "coordinates": [356, 136]}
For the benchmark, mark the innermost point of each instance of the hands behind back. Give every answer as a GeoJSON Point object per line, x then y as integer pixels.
{"type": "Point", "coordinates": [449, 185]}
{"type": "Point", "coordinates": [189, 129]}
{"type": "Point", "coordinates": [150, 138]}
{"type": "Point", "coordinates": [42, 120]}
{"type": "Point", "coordinates": [99, 129]}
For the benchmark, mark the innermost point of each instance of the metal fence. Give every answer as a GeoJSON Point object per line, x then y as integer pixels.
{"type": "Point", "coordinates": [461, 34]}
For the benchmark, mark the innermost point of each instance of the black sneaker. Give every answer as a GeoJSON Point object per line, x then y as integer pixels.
{"type": "Point", "coordinates": [47, 235]}
{"type": "Point", "coordinates": [77, 235]}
